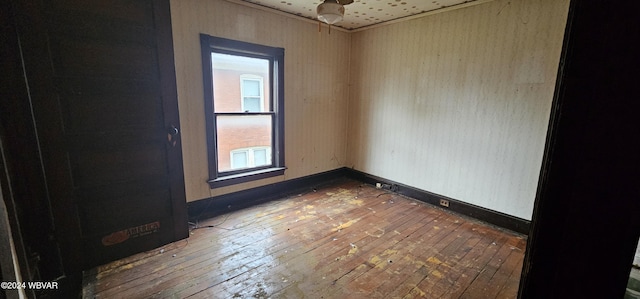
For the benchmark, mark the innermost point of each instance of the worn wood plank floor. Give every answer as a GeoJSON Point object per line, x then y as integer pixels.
{"type": "Point", "coordinates": [347, 240]}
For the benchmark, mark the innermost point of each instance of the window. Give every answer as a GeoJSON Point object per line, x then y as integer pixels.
{"type": "Point", "coordinates": [244, 110]}
{"type": "Point", "coordinates": [251, 88]}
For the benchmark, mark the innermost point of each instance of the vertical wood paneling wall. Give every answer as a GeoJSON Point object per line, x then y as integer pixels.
{"type": "Point", "coordinates": [458, 103]}
{"type": "Point", "coordinates": [316, 87]}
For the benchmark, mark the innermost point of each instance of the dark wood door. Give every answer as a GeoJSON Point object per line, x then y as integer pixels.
{"type": "Point", "coordinates": [101, 80]}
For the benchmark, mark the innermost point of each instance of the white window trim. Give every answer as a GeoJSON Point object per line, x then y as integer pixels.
{"type": "Point", "coordinates": [253, 78]}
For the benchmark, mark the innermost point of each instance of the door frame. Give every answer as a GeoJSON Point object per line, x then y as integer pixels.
{"type": "Point", "coordinates": [586, 218]}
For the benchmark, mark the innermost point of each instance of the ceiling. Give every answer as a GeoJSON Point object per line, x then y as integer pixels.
{"type": "Point", "coordinates": [363, 13]}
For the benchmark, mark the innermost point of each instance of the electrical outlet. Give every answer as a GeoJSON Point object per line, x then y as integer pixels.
{"type": "Point", "coordinates": [444, 203]}
{"type": "Point", "coordinates": [379, 185]}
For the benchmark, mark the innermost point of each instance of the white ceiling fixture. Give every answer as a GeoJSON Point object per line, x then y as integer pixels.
{"type": "Point", "coordinates": [363, 13]}
{"type": "Point", "coordinates": [332, 11]}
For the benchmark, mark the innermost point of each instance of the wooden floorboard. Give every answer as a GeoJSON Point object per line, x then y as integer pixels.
{"type": "Point", "coordinates": [346, 240]}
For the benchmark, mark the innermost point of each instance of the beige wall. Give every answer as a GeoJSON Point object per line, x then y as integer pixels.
{"type": "Point", "coordinates": [316, 87]}
{"type": "Point", "coordinates": [458, 103]}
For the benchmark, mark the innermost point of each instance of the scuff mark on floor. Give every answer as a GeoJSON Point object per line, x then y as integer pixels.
{"type": "Point", "coordinates": [353, 250]}
{"type": "Point", "coordinates": [378, 233]}
{"type": "Point", "coordinates": [345, 225]}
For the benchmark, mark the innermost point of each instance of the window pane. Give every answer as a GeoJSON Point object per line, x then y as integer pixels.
{"type": "Point", "coordinates": [251, 88]}
{"type": "Point", "coordinates": [260, 157]}
{"type": "Point", "coordinates": [252, 104]}
{"type": "Point", "coordinates": [239, 160]}
{"type": "Point", "coordinates": [229, 87]}
{"type": "Point", "coordinates": [241, 132]}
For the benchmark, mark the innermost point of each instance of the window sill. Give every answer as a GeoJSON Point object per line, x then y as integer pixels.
{"type": "Point", "coordinates": [246, 177]}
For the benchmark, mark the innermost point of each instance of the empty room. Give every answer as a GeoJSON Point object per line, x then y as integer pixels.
{"type": "Point", "coordinates": [310, 149]}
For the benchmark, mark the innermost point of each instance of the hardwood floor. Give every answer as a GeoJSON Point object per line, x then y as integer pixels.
{"type": "Point", "coordinates": [346, 240]}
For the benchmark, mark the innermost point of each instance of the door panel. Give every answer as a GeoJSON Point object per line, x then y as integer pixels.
{"type": "Point", "coordinates": [96, 167]}
{"type": "Point", "coordinates": [103, 89]}
{"type": "Point", "coordinates": [96, 215]}
{"type": "Point", "coordinates": [88, 109]}
{"type": "Point", "coordinates": [99, 58]}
